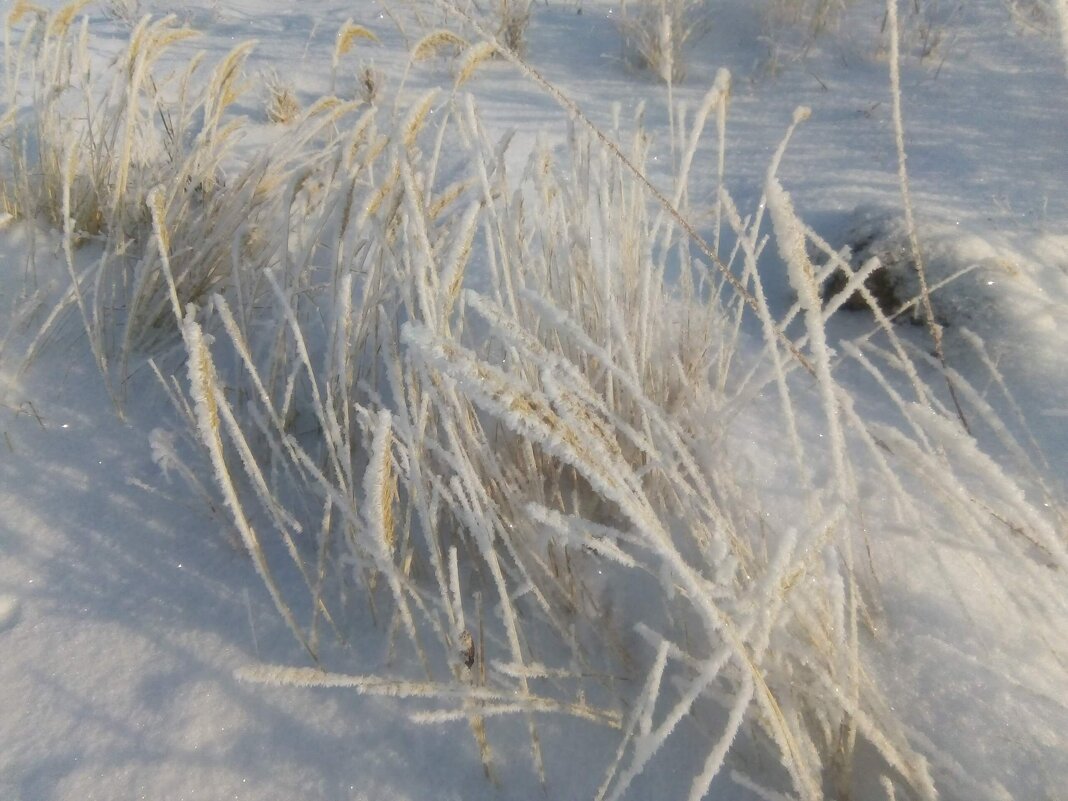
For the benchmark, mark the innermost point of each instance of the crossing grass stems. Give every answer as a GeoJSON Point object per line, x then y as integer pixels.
{"type": "Point", "coordinates": [505, 471]}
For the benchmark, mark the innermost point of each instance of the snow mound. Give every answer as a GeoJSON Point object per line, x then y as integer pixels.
{"type": "Point", "coordinates": [978, 279]}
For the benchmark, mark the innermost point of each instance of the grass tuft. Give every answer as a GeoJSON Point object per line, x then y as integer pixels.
{"type": "Point", "coordinates": [656, 34]}
{"type": "Point", "coordinates": [282, 106]}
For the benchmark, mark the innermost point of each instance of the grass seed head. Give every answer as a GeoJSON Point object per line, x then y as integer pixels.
{"type": "Point", "coordinates": [282, 104]}
{"type": "Point", "coordinates": [417, 117]}
{"type": "Point", "coordinates": [23, 8]}
{"type": "Point", "coordinates": [347, 36]}
{"type": "Point", "coordinates": [435, 43]}
{"type": "Point", "coordinates": [63, 18]}
{"type": "Point", "coordinates": [475, 56]}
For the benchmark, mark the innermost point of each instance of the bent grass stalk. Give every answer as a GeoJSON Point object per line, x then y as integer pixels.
{"type": "Point", "coordinates": [207, 398]}
{"type": "Point", "coordinates": [933, 325]}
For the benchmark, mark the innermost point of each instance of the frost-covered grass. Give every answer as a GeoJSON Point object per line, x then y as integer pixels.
{"type": "Point", "coordinates": [104, 158]}
{"type": "Point", "coordinates": [499, 400]}
{"type": "Point", "coordinates": [657, 33]}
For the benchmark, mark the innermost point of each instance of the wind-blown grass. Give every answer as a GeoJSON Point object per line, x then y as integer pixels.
{"type": "Point", "coordinates": [509, 414]}
{"type": "Point", "coordinates": [89, 151]}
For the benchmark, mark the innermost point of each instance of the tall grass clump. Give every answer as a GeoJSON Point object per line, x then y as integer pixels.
{"type": "Point", "coordinates": [656, 34]}
{"type": "Point", "coordinates": [547, 447]}
{"type": "Point", "coordinates": [507, 20]}
{"type": "Point", "coordinates": [509, 416]}
{"type": "Point", "coordinates": [86, 150]}
{"type": "Point", "coordinates": [512, 19]}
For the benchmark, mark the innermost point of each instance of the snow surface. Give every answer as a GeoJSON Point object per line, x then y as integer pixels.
{"type": "Point", "coordinates": [125, 607]}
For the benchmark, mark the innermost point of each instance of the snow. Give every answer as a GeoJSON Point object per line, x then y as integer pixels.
{"type": "Point", "coordinates": [9, 611]}
{"type": "Point", "coordinates": [128, 607]}
{"type": "Point", "coordinates": [125, 614]}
